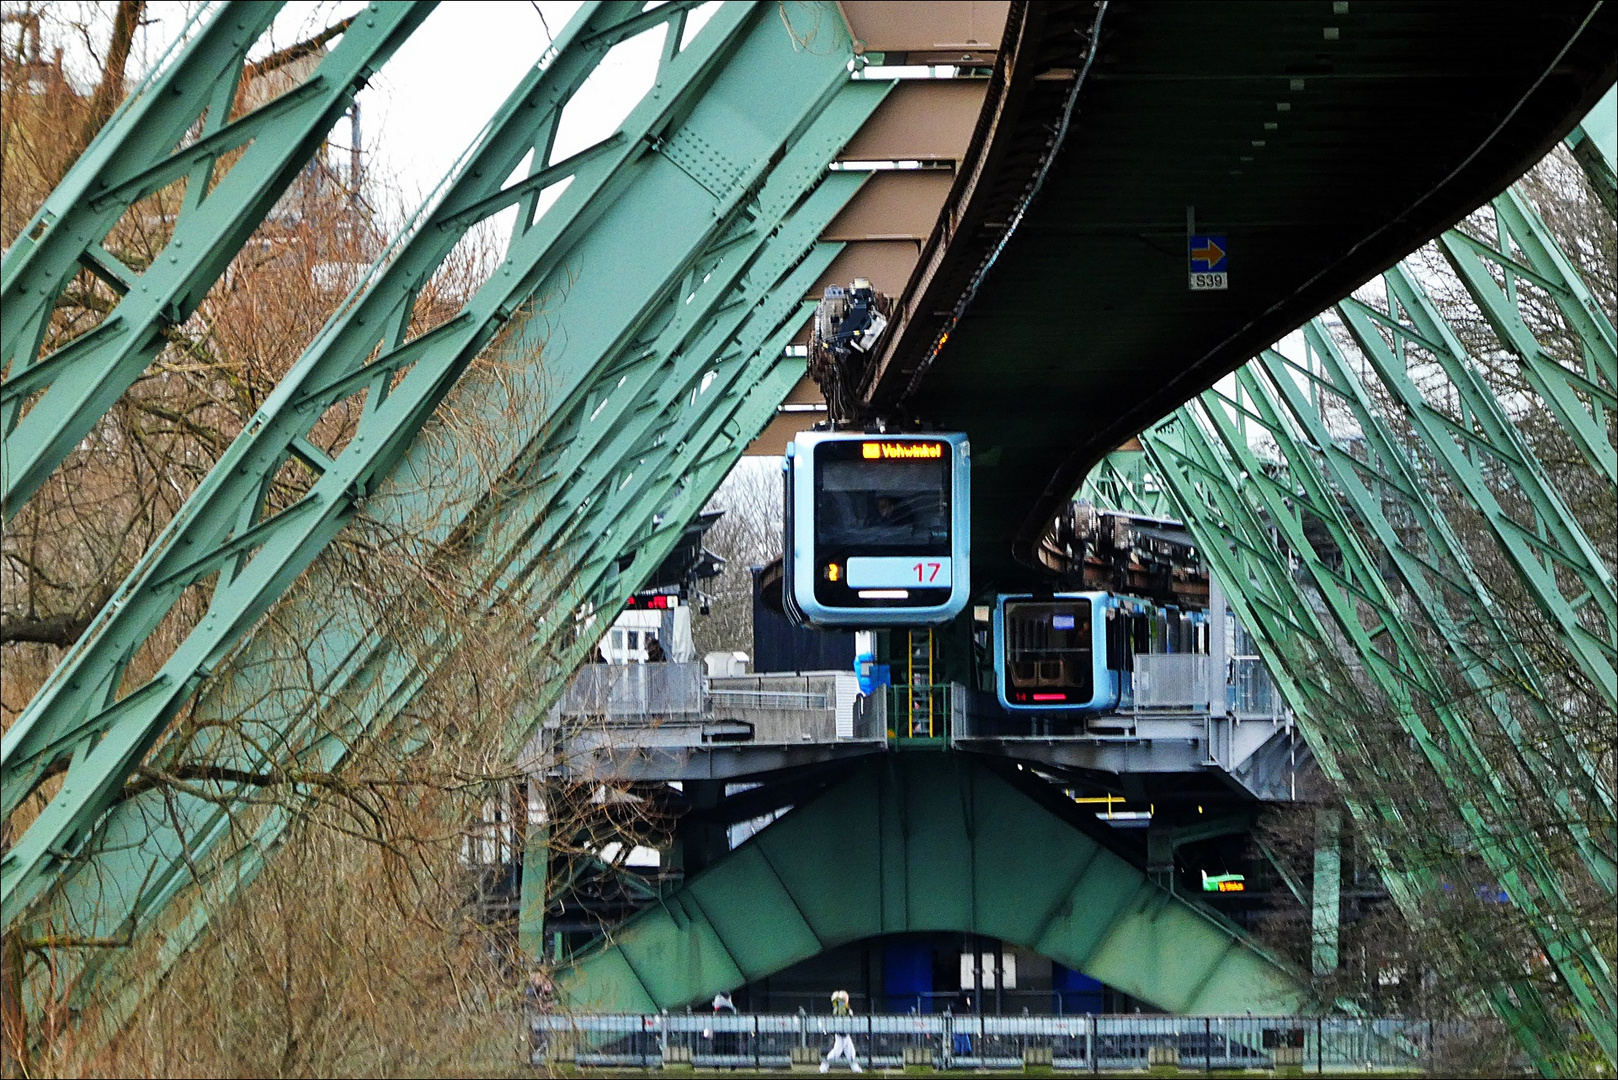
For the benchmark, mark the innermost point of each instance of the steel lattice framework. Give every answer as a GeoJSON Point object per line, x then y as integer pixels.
{"type": "Point", "coordinates": [674, 360]}
{"type": "Point", "coordinates": [1313, 485]}
{"type": "Point", "coordinates": [133, 156]}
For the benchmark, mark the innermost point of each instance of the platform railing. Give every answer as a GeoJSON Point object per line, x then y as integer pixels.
{"type": "Point", "coordinates": [1331, 1044]}
{"type": "Point", "coordinates": [634, 692]}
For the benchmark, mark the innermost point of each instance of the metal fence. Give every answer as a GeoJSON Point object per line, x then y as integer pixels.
{"type": "Point", "coordinates": [635, 691]}
{"type": "Point", "coordinates": [1172, 681]}
{"type": "Point", "coordinates": [1252, 693]}
{"type": "Point", "coordinates": [923, 710]}
{"type": "Point", "coordinates": [769, 699]}
{"type": "Point", "coordinates": [1334, 1044]}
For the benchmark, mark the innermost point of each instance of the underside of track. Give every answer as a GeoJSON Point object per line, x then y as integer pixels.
{"type": "Point", "coordinates": [1324, 141]}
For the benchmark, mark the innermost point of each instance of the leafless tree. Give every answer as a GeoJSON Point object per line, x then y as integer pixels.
{"type": "Point", "coordinates": [748, 535]}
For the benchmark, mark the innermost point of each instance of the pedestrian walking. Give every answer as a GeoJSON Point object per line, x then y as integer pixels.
{"type": "Point", "coordinates": [842, 1044]}
{"type": "Point", "coordinates": [725, 1042]}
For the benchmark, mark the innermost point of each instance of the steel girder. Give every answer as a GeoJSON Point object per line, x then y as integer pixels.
{"type": "Point", "coordinates": [1326, 895]}
{"type": "Point", "coordinates": [686, 77]}
{"type": "Point", "coordinates": [171, 855]}
{"type": "Point", "coordinates": [1545, 550]}
{"type": "Point", "coordinates": [1377, 630]}
{"type": "Point", "coordinates": [927, 843]}
{"type": "Point", "coordinates": [1438, 573]}
{"type": "Point", "coordinates": [225, 527]}
{"type": "Point", "coordinates": [1594, 144]}
{"type": "Point", "coordinates": [1303, 659]}
{"type": "Point", "coordinates": [132, 157]}
{"type": "Point", "coordinates": [1525, 253]}
{"type": "Point", "coordinates": [695, 374]}
{"type": "Point", "coordinates": [1370, 490]}
{"type": "Point", "coordinates": [1123, 481]}
{"type": "Point", "coordinates": [1297, 648]}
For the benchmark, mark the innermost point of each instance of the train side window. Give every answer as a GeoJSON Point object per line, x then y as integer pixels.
{"type": "Point", "coordinates": [1117, 641]}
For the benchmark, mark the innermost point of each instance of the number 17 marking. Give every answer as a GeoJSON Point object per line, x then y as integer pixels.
{"type": "Point", "coordinates": [921, 571]}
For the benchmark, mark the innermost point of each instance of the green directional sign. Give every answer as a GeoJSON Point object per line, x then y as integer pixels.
{"type": "Point", "coordinates": [1223, 883]}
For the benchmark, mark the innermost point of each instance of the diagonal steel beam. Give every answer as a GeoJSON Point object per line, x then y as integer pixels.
{"type": "Point", "coordinates": [226, 500]}
{"type": "Point", "coordinates": [1580, 400]}
{"type": "Point", "coordinates": [1299, 654]}
{"type": "Point", "coordinates": [1489, 430]}
{"type": "Point", "coordinates": [1364, 609]}
{"type": "Point", "coordinates": [1594, 145]}
{"type": "Point", "coordinates": [69, 390]}
{"type": "Point", "coordinates": [1492, 660]}
{"type": "Point", "coordinates": [766, 282]}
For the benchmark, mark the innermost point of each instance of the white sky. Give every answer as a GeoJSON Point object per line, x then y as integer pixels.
{"type": "Point", "coordinates": [424, 107]}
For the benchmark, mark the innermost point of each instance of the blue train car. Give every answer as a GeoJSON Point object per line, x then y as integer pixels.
{"type": "Point", "coordinates": [1075, 652]}
{"type": "Point", "coordinates": [878, 529]}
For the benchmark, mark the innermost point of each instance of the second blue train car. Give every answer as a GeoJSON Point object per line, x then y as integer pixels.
{"type": "Point", "coordinates": [1075, 652]}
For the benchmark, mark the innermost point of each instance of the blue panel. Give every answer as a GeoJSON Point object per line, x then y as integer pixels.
{"type": "Point", "coordinates": [1209, 254]}
{"type": "Point", "coordinates": [1074, 992]}
{"type": "Point", "coordinates": [890, 572]}
{"type": "Point", "coordinates": [907, 975]}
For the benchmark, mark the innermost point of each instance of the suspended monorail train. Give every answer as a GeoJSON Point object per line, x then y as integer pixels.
{"type": "Point", "coordinates": [877, 529]}
{"type": "Point", "coordinates": [1075, 652]}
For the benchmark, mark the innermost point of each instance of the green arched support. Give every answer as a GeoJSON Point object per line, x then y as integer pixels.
{"type": "Point", "coordinates": [919, 842]}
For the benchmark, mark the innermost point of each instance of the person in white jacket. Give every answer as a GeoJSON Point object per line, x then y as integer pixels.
{"type": "Point", "coordinates": [842, 1044]}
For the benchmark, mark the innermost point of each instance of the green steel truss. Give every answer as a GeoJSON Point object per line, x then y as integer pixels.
{"type": "Point", "coordinates": [1303, 656]}
{"type": "Point", "coordinates": [1542, 540]}
{"type": "Point", "coordinates": [141, 150]}
{"type": "Point", "coordinates": [1594, 144]}
{"type": "Point", "coordinates": [1124, 481]}
{"type": "Point", "coordinates": [1321, 470]}
{"type": "Point", "coordinates": [927, 843]}
{"type": "Point", "coordinates": [1378, 632]}
{"type": "Point", "coordinates": [673, 267]}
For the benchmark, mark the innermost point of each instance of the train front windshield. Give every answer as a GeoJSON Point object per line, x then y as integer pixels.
{"type": "Point", "coordinates": [1049, 652]}
{"type": "Point", "coordinates": [882, 507]}
{"type": "Point", "coordinates": [882, 523]}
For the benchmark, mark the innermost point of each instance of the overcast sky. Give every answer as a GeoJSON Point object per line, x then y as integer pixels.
{"type": "Point", "coordinates": [427, 104]}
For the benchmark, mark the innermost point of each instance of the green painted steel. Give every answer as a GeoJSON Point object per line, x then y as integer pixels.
{"type": "Point", "coordinates": [1303, 659]}
{"type": "Point", "coordinates": [927, 843]}
{"type": "Point", "coordinates": [1546, 546]}
{"type": "Point", "coordinates": [1297, 648]}
{"type": "Point", "coordinates": [1594, 144]}
{"type": "Point", "coordinates": [1299, 456]}
{"type": "Point", "coordinates": [217, 526]}
{"type": "Point", "coordinates": [535, 887]}
{"type": "Point", "coordinates": [1435, 568]}
{"type": "Point", "coordinates": [132, 157]}
{"type": "Point", "coordinates": [1123, 480]}
{"type": "Point", "coordinates": [682, 380]}
{"type": "Point", "coordinates": [223, 527]}
{"type": "Point", "coordinates": [662, 287]}
{"type": "Point", "coordinates": [1326, 896]}
{"type": "Point", "coordinates": [1376, 629]}
{"type": "Point", "coordinates": [1582, 390]}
